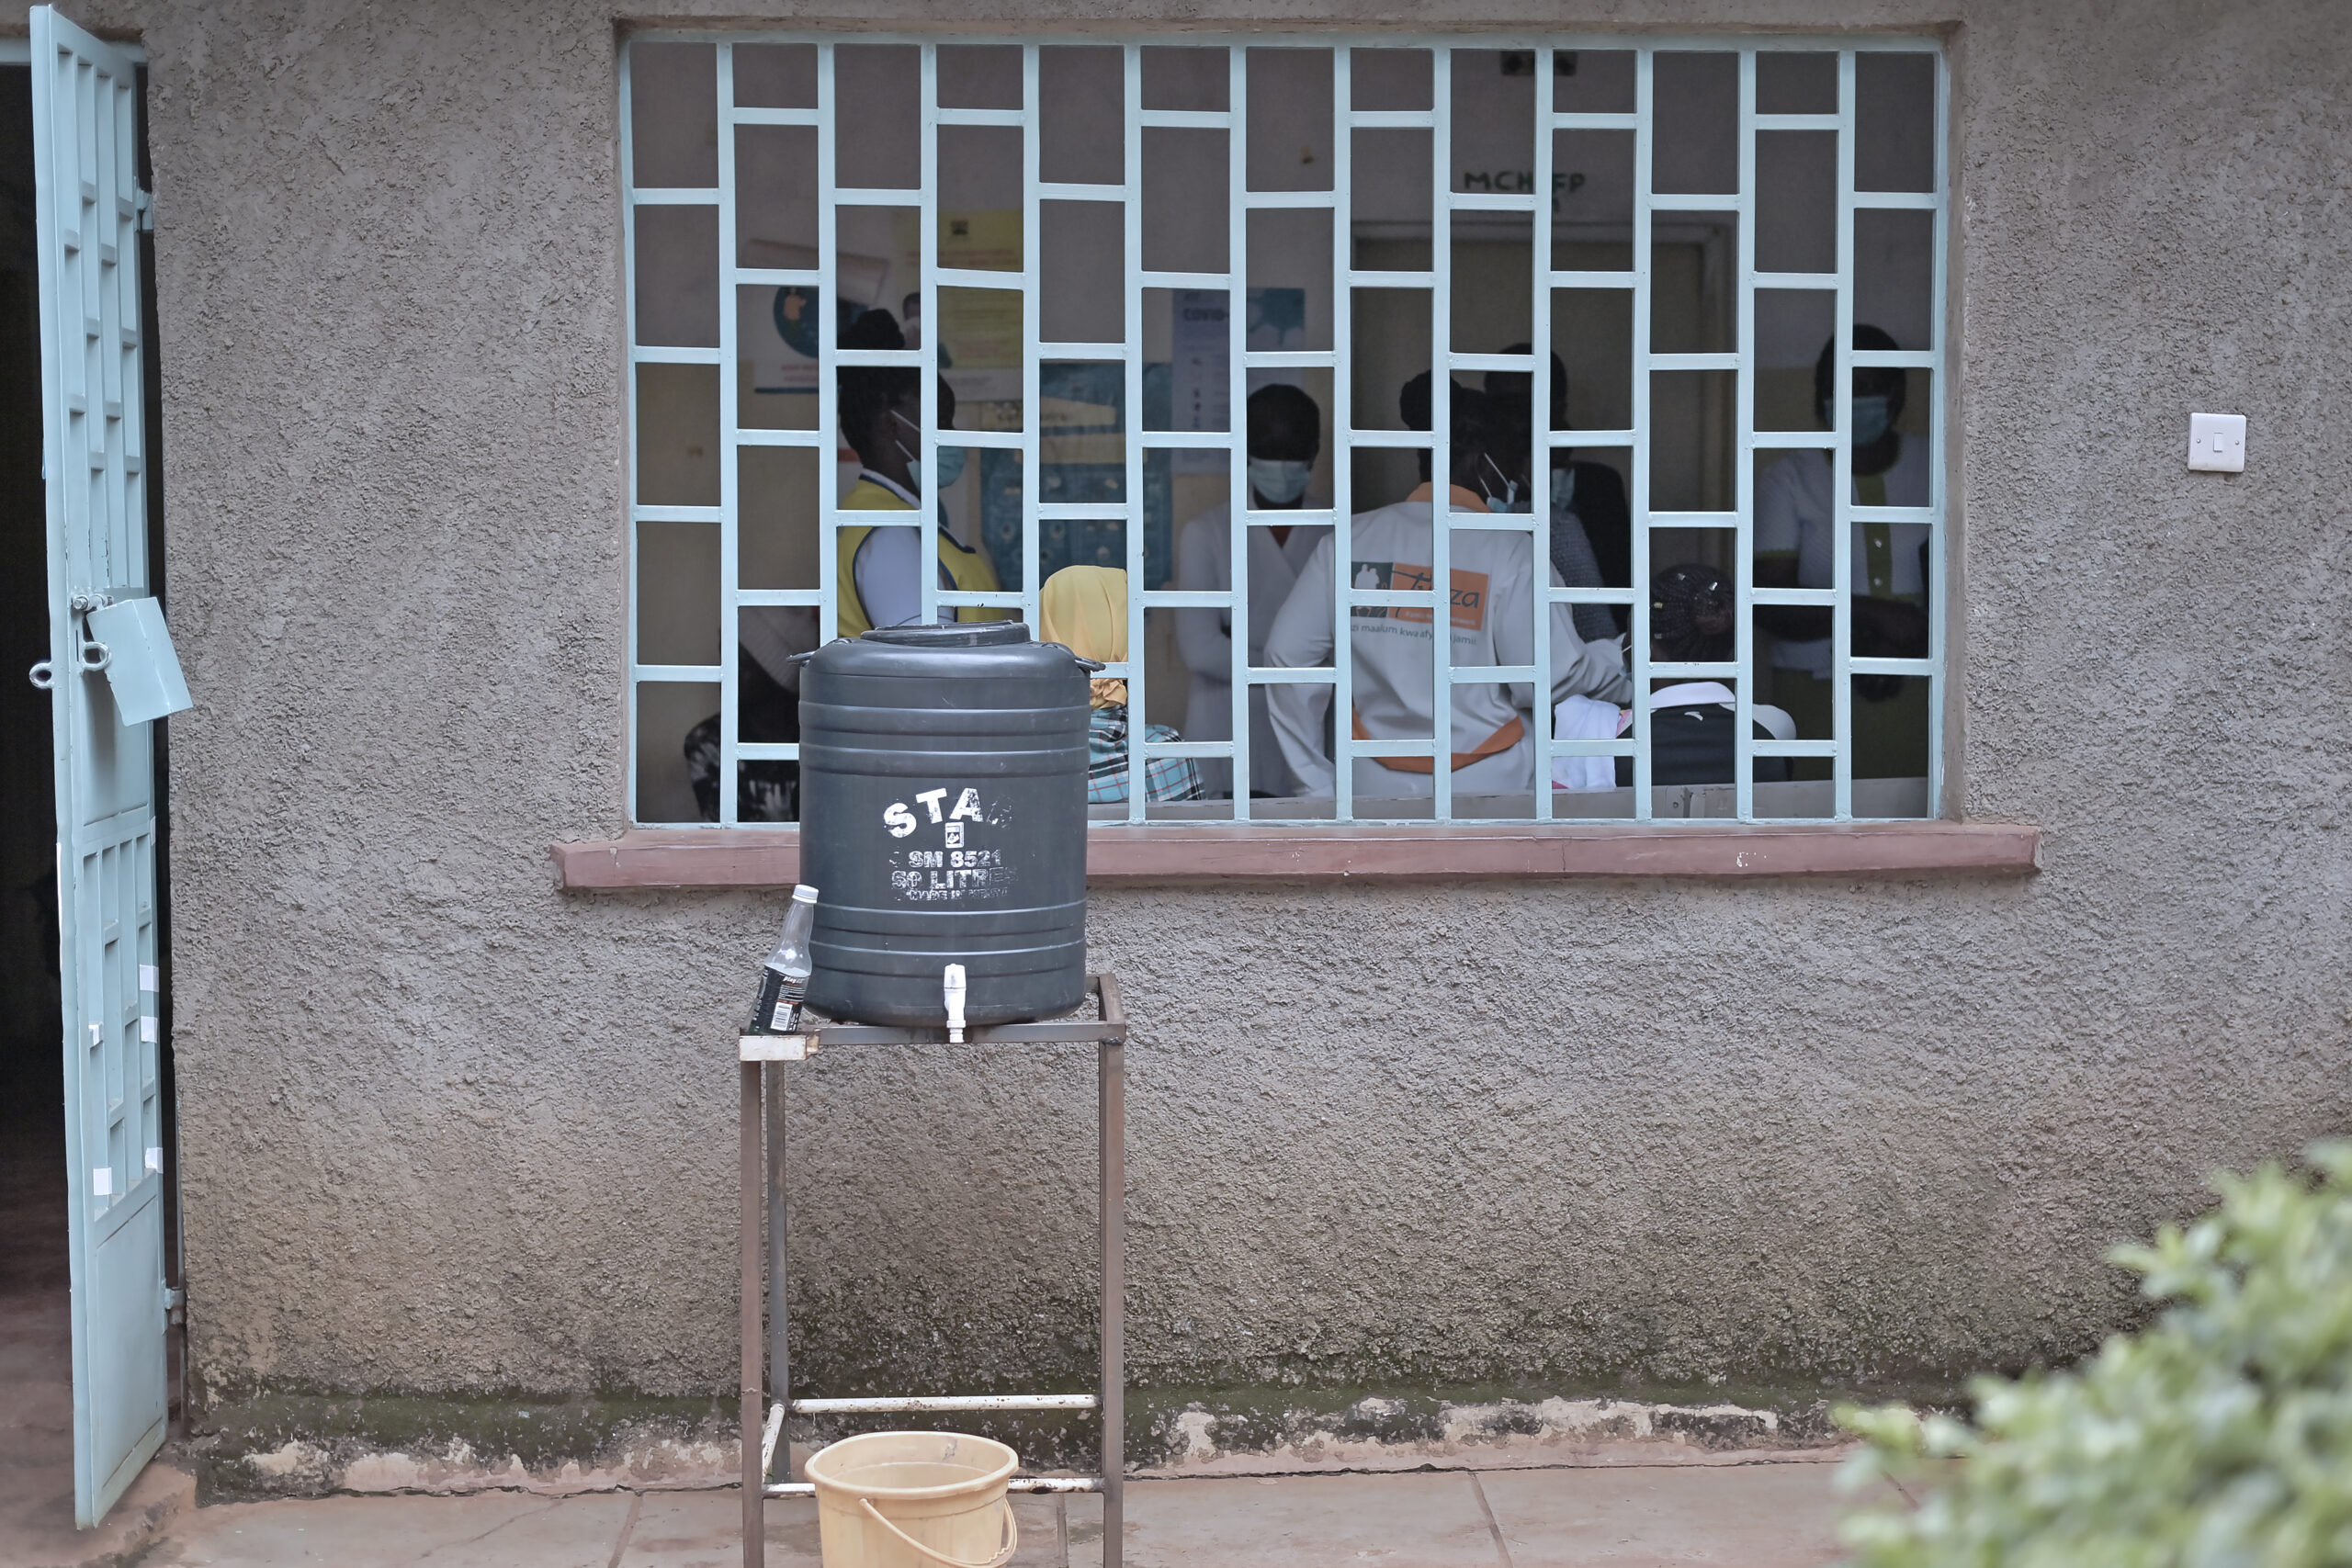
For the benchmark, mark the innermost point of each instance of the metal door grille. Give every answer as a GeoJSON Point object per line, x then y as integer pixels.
{"type": "Point", "coordinates": [1438, 121]}
{"type": "Point", "coordinates": [88, 213]}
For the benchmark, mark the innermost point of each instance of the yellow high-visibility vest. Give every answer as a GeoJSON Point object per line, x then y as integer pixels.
{"type": "Point", "coordinates": [970, 571]}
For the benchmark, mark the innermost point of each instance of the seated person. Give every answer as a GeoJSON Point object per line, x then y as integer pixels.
{"type": "Point", "coordinates": [1490, 622]}
{"type": "Point", "coordinates": [1887, 565]}
{"type": "Point", "coordinates": [1084, 608]}
{"type": "Point", "coordinates": [1285, 435]}
{"type": "Point", "coordinates": [1592, 528]}
{"type": "Point", "coordinates": [1692, 610]}
{"type": "Point", "coordinates": [767, 707]}
{"type": "Point", "coordinates": [880, 570]}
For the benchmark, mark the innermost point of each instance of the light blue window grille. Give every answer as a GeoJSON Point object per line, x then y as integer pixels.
{"type": "Point", "coordinates": [1783, 100]}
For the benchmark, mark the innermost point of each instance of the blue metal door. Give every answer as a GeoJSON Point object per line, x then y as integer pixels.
{"type": "Point", "coordinates": [93, 456]}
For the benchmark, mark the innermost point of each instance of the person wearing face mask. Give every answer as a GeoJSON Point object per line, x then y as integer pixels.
{"type": "Point", "coordinates": [1592, 528]}
{"type": "Point", "coordinates": [1888, 562]}
{"type": "Point", "coordinates": [1489, 607]}
{"type": "Point", "coordinates": [880, 569]}
{"type": "Point", "coordinates": [1286, 433]}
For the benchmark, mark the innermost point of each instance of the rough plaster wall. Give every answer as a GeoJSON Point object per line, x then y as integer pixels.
{"type": "Point", "coordinates": [447, 1129]}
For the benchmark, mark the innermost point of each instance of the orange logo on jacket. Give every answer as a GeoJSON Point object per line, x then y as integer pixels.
{"type": "Point", "coordinates": [1468, 599]}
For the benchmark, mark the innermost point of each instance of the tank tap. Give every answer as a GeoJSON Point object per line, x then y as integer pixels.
{"type": "Point", "coordinates": [951, 984]}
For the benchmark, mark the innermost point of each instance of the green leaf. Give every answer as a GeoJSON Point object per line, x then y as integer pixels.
{"type": "Point", "coordinates": [2219, 1437]}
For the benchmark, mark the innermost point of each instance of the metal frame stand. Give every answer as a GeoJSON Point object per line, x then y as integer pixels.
{"type": "Point", "coordinates": [762, 1058]}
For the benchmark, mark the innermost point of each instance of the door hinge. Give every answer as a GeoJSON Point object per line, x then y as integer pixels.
{"type": "Point", "coordinates": [175, 1305]}
{"type": "Point", "coordinates": [145, 205]}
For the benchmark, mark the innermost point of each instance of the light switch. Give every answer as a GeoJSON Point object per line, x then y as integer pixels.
{"type": "Point", "coordinates": [2217, 443]}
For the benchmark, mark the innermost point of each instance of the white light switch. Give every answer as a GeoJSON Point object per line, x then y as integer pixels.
{"type": "Point", "coordinates": [2217, 443]}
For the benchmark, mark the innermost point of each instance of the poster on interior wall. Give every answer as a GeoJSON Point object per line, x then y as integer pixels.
{"type": "Point", "coordinates": [775, 331]}
{"type": "Point", "coordinates": [1063, 541]}
{"type": "Point", "coordinates": [1082, 460]}
{"type": "Point", "coordinates": [980, 351]}
{"type": "Point", "coordinates": [779, 343]}
{"type": "Point", "coordinates": [1200, 373]}
{"type": "Point", "coordinates": [981, 329]}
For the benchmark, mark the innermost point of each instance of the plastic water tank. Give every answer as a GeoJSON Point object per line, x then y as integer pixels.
{"type": "Point", "coordinates": [942, 788]}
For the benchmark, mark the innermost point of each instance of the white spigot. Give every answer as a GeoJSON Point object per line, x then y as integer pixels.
{"type": "Point", "coordinates": [951, 984]}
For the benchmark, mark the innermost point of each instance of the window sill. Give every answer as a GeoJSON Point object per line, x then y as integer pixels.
{"type": "Point", "coordinates": [770, 857]}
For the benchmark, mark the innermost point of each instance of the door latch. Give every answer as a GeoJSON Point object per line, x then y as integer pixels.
{"type": "Point", "coordinates": [90, 655]}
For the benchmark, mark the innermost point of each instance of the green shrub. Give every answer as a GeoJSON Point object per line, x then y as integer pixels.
{"type": "Point", "coordinates": [2218, 1437]}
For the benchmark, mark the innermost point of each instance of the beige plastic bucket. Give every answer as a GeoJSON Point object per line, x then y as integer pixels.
{"type": "Point", "coordinates": [914, 1500]}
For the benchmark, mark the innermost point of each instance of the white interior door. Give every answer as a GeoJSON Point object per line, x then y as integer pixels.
{"type": "Point", "coordinates": [93, 456]}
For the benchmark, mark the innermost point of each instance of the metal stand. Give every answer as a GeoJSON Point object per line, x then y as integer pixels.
{"type": "Point", "coordinates": [762, 1085]}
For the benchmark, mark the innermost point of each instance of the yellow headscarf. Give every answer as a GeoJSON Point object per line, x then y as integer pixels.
{"type": "Point", "coordinates": [1084, 608]}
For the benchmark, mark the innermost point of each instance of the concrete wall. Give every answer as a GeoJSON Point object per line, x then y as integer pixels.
{"type": "Point", "coordinates": [446, 1130]}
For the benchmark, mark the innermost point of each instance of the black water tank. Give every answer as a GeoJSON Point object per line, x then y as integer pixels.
{"type": "Point", "coordinates": [943, 821]}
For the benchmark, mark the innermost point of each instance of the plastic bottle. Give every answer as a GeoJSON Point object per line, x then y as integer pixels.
{"type": "Point", "coordinates": [784, 979]}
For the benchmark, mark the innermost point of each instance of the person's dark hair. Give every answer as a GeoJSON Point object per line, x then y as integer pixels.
{"type": "Point", "coordinates": [869, 391]}
{"type": "Point", "coordinates": [1509, 388]}
{"type": "Point", "coordinates": [1878, 381]}
{"type": "Point", "coordinates": [1284, 423]}
{"type": "Point", "coordinates": [1413, 402]}
{"type": "Point", "coordinates": [1477, 433]}
{"type": "Point", "coordinates": [1692, 609]}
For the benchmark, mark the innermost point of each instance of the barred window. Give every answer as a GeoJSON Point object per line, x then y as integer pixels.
{"type": "Point", "coordinates": [1622, 358]}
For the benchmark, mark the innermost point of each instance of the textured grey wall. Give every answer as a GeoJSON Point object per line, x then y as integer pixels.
{"type": "Point", "coordinates": [447, 1129]}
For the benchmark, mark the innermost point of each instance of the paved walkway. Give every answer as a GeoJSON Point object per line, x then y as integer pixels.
{"type": "Point", "coordinates": [37, 1371]}
{"type": "Point", "coordinates": [1756, 1515]}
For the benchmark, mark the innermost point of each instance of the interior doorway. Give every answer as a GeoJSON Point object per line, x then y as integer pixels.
{"type": "Point", "coordinates": [36, 1327]}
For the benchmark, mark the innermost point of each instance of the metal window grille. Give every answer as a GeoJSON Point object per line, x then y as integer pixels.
{"type": "Point", "coordinates": [827, 116]}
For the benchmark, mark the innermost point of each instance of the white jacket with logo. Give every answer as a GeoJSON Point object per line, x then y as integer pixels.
{"type": "Point", "coordinates": [1394, 678]}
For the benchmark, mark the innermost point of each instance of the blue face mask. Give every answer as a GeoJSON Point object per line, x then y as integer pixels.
{"type": "Point", "coordinates": [1278, 480]}
{"type": "Point", "coordinates": [951, 468]}
{"type": "Point", "coordinates": [1871, 419]}
{"type": "Point", "coordinates": [951, 459]}
{"type": "Point", "coordinates": [1510, 500]}
{"type": "Point", "coordinates": [1564, 487]}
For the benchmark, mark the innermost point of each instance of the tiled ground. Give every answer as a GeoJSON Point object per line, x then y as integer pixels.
{"type": "Point", "coordinates": [35, 1372]}
{"type": "Point", "coordinates": [1761, 1515]}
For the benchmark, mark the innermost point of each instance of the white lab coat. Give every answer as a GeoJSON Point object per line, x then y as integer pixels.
{"type": "Point", "coordinates": [1492, 622]}
{"type": "Point", "coordinates": [1582, 718]}
{"type": "Point", "coordinates": [1793, 514]}
{"type": "Point", "coordinates": [1205, 639]}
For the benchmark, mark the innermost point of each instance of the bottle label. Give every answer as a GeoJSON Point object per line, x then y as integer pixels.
{"type": "Point", "coordinates": [788, 1007]}
{"type": "Point", "coordinates": [761, 1010]}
